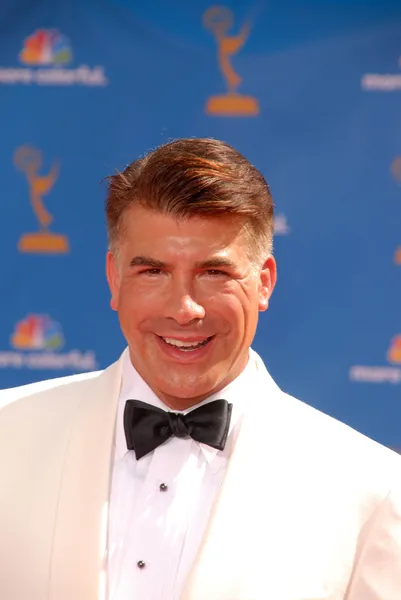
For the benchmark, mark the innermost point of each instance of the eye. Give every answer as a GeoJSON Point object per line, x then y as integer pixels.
{"type": "Point", "coordinates": [215, 272]}
{"type": "Point", "coordinates": [150, 272]}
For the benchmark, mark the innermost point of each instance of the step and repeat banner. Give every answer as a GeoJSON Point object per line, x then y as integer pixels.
{"type": "Point", "coordinates": [310, 92]}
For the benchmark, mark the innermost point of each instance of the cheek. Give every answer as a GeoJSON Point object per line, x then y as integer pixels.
{"type": "Point", "coordinates": [242, 307]}
{"type": "Point", "coordinates": [136, 303]}
{"type": "Point", "coordinates": [230, 306]}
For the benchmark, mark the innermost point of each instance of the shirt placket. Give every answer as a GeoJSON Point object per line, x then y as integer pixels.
{"type": "Point", "coordinates": [159, 523]}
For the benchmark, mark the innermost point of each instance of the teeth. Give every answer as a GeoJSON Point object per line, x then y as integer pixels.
{"type": "Point", "coordinates": [185, 346]}
{"type": "Point", "coordinates": [180, 344]}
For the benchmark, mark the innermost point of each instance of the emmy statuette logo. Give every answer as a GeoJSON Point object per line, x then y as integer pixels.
{"type": "Point", "coordinates": [28, 160]}
{"type": "Point", "coordinates": [219, 20]}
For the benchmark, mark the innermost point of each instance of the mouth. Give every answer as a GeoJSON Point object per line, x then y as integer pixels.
{"type": "Point", "coordinates": [185, 346]}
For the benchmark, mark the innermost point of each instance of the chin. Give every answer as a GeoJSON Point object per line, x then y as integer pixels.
{"type": "Point", "coordinates": [186, 388]}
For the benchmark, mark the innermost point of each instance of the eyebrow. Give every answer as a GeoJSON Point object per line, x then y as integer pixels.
{"type": "Point", "coordinates": [212, 263]}
{"type": "Point", "coordinates": [147, 261]}
{"type": "Point", "coordinates": [216, 263]}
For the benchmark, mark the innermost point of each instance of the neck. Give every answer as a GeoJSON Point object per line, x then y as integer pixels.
{"type": "Point", "coordinates": [185, 402]}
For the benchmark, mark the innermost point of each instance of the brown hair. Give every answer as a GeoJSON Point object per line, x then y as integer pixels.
{"type": "Point", "coordinates": [194, 177]}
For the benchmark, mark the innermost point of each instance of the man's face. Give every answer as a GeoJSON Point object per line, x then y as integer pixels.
{"type": "Point", "coordinates": [188, 298]}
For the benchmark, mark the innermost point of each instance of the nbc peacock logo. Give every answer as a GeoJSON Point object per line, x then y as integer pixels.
{"type": "Point", "coordinates": [37, 332]}
{"type": "Point", "coordinates": [46, 47]}
{"type": "Point", "coordinates": [36, 343]}
{"type": "Point", "coordinates": [45, 60]}
{"type": "Point", "coordinates": [394, 351]}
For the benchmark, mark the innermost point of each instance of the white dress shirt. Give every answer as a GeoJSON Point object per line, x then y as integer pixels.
{"type": "Point", "coordinates": [161, 528]}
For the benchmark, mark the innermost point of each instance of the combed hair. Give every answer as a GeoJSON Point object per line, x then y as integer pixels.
{"type": "Point", "coordinates": [194, 177]}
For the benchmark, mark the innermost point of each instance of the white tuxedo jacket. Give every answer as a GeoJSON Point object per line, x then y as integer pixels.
{"type": "Point", "coordinates": [308, 509]}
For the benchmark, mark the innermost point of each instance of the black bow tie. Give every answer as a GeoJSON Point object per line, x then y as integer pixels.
{"type": "Point", "coordinates": [147, 427]}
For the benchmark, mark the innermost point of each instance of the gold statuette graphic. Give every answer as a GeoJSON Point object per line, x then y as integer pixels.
{"type": "Point", "coordinates": [28, 160]}
{"type": "Point", "coordinates": [219, 20]}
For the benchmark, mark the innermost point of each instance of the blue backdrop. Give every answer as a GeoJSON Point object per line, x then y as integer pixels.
{"type": "Point", "coordinates": [310, 92]}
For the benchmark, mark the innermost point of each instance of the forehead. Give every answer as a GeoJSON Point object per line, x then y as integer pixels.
{"type": "Point", "coordinates": [143, 228]}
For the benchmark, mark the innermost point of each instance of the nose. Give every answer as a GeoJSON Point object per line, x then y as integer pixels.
{"type": "Point", "coordinates": [183, 308]}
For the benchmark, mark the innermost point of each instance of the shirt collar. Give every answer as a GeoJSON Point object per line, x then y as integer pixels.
{"type": "Point", "coordinates": [236, 392]}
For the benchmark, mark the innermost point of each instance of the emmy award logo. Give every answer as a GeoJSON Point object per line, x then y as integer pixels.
{"type": "Point", "coordinates": [28, 160]}
{"type": "Point", "coordinates": [219, 20]}
{"type": "Point", "coordinates": [396, 172]}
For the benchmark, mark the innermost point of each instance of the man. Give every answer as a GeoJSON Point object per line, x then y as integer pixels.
{"type": "Point", "coordinates": [182, 471]}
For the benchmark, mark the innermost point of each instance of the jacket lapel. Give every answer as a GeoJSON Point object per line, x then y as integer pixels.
{"type": "Point", "coordinates": [78, 567]}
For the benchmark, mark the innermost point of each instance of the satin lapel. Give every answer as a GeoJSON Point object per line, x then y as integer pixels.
{"type": "Point", "coordinates": [78, 567]}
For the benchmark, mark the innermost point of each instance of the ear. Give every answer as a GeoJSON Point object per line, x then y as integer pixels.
{"type": "Point", "coordinates": [113, 279]}
{"type": "Point", "coordinates": [268, 277]}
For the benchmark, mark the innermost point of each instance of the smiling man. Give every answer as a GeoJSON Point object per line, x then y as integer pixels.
{"type": "Point", "coordinates": [182, 471]}
{"type": "Point", "coordinates": [188, 296]}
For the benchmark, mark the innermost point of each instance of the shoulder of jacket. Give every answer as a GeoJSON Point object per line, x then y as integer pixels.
{"type": "Point", "coordinates": [17, 393]}
{"type": "Point", "coordinates": [338, 445]}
